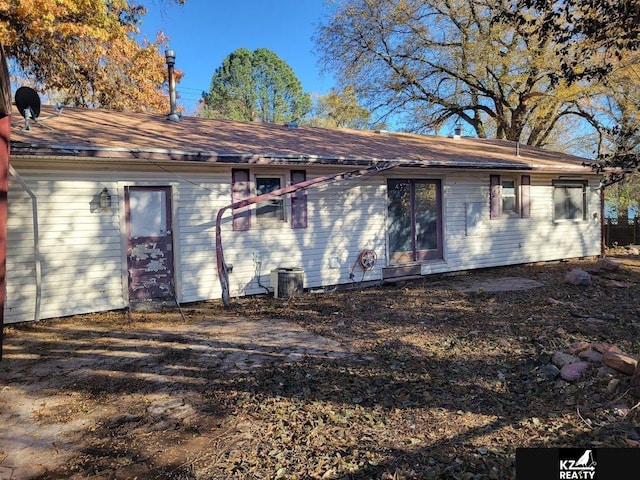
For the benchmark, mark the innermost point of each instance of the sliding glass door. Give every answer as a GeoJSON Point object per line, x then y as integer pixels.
{"type": "Point", "coordinates": [414, 220]}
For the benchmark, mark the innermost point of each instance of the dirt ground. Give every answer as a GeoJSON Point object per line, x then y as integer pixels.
{"type": "Point", "coordinates": [442, 377]}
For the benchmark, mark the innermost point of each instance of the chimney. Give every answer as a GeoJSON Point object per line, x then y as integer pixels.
{"type": "Point", "coordinates": [457, 132]}
{"type": "Point", "coordinates": [170, 56]}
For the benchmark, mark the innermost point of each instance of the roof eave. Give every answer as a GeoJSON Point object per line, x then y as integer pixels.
{"type": "Point", "coordinates": [34, 151]}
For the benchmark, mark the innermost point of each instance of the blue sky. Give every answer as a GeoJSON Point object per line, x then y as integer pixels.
{"type": "Point", "coordinates": [204, 32]}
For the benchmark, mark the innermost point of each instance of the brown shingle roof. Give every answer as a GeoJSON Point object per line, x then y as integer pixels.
{"type": "Point", "coordinates": [108, 134]}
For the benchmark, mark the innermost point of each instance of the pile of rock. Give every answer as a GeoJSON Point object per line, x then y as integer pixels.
{"type": "Point", "coordinates": [578, 276]}
{"type": "Point", "coordinates": [608, 360]}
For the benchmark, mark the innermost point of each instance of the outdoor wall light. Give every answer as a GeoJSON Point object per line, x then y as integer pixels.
{"type": "Point", "coordinates": [105, 198]}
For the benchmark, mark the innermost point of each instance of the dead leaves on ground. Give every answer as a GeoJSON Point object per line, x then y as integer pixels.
{"type": "Point", "coordinates": [446, 385]}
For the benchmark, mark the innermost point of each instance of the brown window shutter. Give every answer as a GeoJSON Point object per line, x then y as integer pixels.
{"type": "Point", "coordinates": [240, 190]}
{"type": "Point", "coordinates": [298, 201]}
{"type": "Point", "coordinates": [495, 196]}
{"type": "Point", "coordinates": [525, 196]}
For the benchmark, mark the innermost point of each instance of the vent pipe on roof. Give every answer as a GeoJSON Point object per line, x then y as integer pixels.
{"type": "Point", "coordinates": [170, 56]}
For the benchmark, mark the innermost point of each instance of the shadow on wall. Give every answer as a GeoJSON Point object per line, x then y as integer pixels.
{"type": "Point", "coordinates": [344, 218]}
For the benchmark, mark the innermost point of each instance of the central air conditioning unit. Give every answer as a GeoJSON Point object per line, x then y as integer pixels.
{"type": "Point", "coordinates": [287, 282]}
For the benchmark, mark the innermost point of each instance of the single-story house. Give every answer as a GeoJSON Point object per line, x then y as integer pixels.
{"type": "Point", "coordinates": [108, 207]}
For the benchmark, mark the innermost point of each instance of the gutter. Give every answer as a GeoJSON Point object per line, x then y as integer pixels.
{"type": "Point", "coordinates": [36, 240]}
{"type": "Point", "coordinates": [223, 269]}
{"type": "Point", "coordinates": [270, 158]}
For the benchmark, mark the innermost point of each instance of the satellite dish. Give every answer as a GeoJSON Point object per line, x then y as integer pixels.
{"type": "Point", "coordinates": [28, 102]}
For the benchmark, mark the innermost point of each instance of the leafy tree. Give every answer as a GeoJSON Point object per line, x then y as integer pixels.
{"type": "Point", "coordinates": [86, 52]}
{"type": "Point", "coordinates": [620, 105]}
{"type": "Point", "coordinates": [624, 194]}
{"type": "Point", "coordinates": [584, 30]}
{"type": "Point", "coordinates": [441, 61]}
{"type": "Point", "coordinates": [233, 93]}
{"type": "Point", "coordinates": [621, 160]}
{"type": "Point", "coordinates": [617, 118]}
{"type": "Point", "coordinates": [598, 40]}
{"type": "Point", "coordinates": [340, 109]}
{"type": "Point", "coordinates": [256, 86]}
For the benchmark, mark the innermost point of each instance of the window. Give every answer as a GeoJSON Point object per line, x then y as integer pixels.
{"type": "Point", "coordinates": [510, 197]}
{"type": "Point", "coordinates": [569, 200]}
{"type": "Point", "coordinates": [271, 210]}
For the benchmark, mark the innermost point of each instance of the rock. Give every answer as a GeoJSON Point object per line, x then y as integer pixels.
{"type": "Point", "coordinates": [613, 385]}
{"type": "Point", "coordinates": [620, 361]}
{"type": "Point", "coordinates": [595, 321]}
{"type": "Point", "coordinates": [590, 356]}
{"type": "Point", "coordinates": [601, 320]}
{"type": "Point", "coordinates": [579, 347]}
{"type": "Point", "coordinates": [606, 347]}
{"type": "Point", "coordinates": [607, 265]}
{"type": "Point", "coordinates": [577, 276]}
{"type": "Point", "coordinates": [616, 284]}
{"type": "Point", "coordinates": [560, 359]}
{"type": "Point", "coordinates": [573, 371]}
{"type": "Point", "coordinates": [606, 372]}
{"type": "Point", "coordinates": [548, 372]}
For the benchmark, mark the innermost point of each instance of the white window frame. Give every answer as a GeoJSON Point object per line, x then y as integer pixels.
{"type": "Point", "coordinates": [515, 212]}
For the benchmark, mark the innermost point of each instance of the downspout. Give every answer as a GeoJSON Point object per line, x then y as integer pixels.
{"type": "Point", "coordinates": [36, 240]}
{"type": "Point", "coordinates": [223, 273]}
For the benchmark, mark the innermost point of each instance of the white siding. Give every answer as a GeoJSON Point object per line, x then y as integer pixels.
{"type": "Point", "coordinates": [197, 206]}
{"type": "Point", "coordinates": [20, 301]}
{"type": "Point", "coordinates": [508, 240]}
{"type": "Point", "coordinates": [82, 251]}
{"type": "Point", "coordinates": [344, 219]}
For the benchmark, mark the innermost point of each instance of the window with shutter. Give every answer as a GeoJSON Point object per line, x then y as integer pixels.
{"type": "Point", "coordinates": [510, 196]}
{"type": "Point", "coordinates": [269, 211]}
